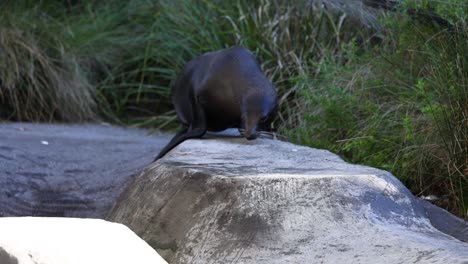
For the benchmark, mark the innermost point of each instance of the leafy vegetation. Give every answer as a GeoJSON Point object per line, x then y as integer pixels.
{"type": "Point", "coordinates": [389, 93]}
{"type": "Point", "coordinates": [402, 107]}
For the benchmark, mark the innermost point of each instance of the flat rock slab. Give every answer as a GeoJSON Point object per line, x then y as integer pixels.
{"type": "Point", "coordinates": [69, 170]}
{"type": "Point", "coordinates": [267, 201]}
{"type": "Point", "coordinates": [50, 240]}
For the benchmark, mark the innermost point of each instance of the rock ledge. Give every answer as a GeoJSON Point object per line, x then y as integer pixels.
{"type": "Point", "coordinates": [267, 201]}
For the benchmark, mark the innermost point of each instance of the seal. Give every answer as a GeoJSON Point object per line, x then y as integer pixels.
{"type": "Point", "coordinates": [220, 90]}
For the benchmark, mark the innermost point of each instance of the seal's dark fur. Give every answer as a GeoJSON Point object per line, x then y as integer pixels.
{"type": "Point", "coordinates": [220, 90]}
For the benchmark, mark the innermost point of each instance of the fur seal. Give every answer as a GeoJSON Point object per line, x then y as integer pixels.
{"type": "Point", "coordinates": [220, 90]}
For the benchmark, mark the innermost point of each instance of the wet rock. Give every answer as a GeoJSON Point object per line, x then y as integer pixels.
{"type": "Point", "coordinates": [69, 170]}
{"type": "Point", "coordinates": [235, 201]}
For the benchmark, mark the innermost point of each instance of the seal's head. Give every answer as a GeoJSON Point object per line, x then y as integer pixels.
{"type": "Point", "coordinates": [257, 109]}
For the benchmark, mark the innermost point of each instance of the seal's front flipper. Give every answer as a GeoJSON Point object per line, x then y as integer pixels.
{"type": "Point", "coordinates": [179, 137]}
{"type": "Point", "coordinates": [174, 142]}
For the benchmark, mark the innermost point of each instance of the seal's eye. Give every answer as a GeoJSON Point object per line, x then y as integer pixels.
{"type": "Point", "coordinates": [263, 119]}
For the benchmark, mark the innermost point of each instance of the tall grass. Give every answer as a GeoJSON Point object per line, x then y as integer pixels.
{"type": "Point", "coordinates": [78, 62]}
{"type": "Point", "coordinates": [39, 79]}
{"type": "Point", "coordinates": [283, 36]}
{"type": "Point", "coordinates": [401, 106]}
{"type": "Point", "coordinates": [123, 55]}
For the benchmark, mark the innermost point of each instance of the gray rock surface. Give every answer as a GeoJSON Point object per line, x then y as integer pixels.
{"type": "Point", "coordinates": [69, 170]}
{"type": "Point", "coordinates": [266, 201]}
{"type": "Point", "coordinates": [51, 240]}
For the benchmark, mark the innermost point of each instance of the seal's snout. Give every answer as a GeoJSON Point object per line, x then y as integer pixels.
{"type": "Point", "coordinates": [251, 134]}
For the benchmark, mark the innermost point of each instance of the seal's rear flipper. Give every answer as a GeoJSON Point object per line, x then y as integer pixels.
{"type": "Point", "coordinates": [179, 137]}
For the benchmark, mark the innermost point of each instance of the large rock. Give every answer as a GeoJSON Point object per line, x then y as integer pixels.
{"type": "Point", "coordinates": [266, 201]}
{"type": "Point", "coordinates": [42, 240]}
{"type": "Point", "coordinates": [69, 170]}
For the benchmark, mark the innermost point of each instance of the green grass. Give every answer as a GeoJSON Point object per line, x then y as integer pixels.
{"type": "Point", "coordinates": [391, 94]}
{"type": "Point", "coordinates": [401, 106]}
{"type": "Point", "coordinates": [40, 79]}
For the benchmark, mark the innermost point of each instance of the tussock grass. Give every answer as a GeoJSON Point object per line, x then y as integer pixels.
{"type": "Point", "coordinates": [123, 55]}
{"type": "Point", "coordinates": [39, 80]}
{"type": "Point", "coordinates": [283, 36]}
{"type": "Point", "coordinates": [400, 106]}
